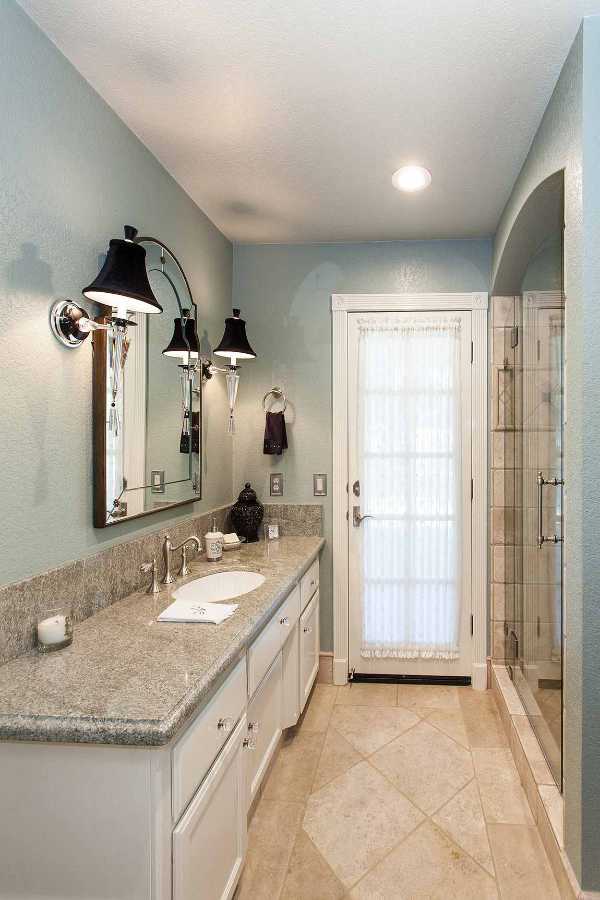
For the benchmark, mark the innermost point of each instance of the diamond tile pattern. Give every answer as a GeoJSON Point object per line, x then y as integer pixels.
{"type": "Point", "coordinates": [385, 792]}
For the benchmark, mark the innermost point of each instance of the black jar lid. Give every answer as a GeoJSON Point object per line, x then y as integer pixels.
{"type": "Point", "coordinates": [248, 495]}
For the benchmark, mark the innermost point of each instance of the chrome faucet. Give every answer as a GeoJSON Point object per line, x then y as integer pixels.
{"type": "Point", "coordinates": [151, 567]}
{"type": "Point", "coordinates": [168, 549]}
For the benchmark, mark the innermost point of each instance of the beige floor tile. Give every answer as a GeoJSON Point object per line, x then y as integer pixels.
{"type": "Point", "coordinates": [369, 728]}
{"type": "Point", "coordinates": [293, 772]}
{"type": "Point", "coordinates": [366, 695]}
{"type": "Point", "coordinates": [482, 721]}
{"type": "Point", "coordinates": [308, 875]}
{"type": "Point", "coordinates": [522, 868]}
{"type": "Point", "coordinates": [462, 819]}
{"type": "Point", "coordinates": [356, 819]}
{"type": "Point", "coordinates": [337, 756]}
{"type": "Point", "coordinates": [273, 830]}
{"type": "Point", "coordinates": [450, 721]}
{"type": "Point", "coordinates": [426, 765]}
{"type": "Point", "coordinates": [426, 865]}
{"type": "Point", "coordinates": [318, 711]}
{"type": "Point", "coordinates": [259, 881]}
{"type": "Point", "coordinates": [502, 795]}
{"type": "Point", "coordinates": [431, 696]}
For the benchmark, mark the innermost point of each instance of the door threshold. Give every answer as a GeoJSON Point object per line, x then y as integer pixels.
{"type": "Point", "coordinates": [364, 678]}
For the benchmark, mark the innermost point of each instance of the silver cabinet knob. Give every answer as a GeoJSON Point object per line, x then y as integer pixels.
{"type": "Point", "coordinates": [254, 727]}
{"type": "Point", "coordinates": [285, 621]}
{"type": "Point", "coordinates": [248, 744]}
{"type": "Point", "coordinates": [225, 724]}
{"type": "Point", "coordinates": [307, 629]}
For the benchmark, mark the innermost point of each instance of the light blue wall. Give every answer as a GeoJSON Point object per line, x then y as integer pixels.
{"type": "Point", "coordinates": [284, 292]}
{"type": "Point", "coordinates": [71, 175]}
{"type": "Point", "coordinates": [569, 138]}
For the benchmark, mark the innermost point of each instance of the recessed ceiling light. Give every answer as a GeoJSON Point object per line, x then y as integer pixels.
{"type": "Point", "coordinates": [411, 178]}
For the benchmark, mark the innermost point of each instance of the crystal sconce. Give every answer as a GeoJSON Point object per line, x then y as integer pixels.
{"type": "Point", "coordinates": [234, 345]}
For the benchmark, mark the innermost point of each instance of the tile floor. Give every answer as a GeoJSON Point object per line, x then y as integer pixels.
{"type": "Point", "coordinates": [395, 792]}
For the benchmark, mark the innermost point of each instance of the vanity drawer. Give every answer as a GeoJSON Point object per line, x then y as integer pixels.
{"type": "Point", "coordinates": [195, 751]}
{"type": "Point", "coordinates": [270, 641]}
{"type": "Point", "coordinates": [309, 584]}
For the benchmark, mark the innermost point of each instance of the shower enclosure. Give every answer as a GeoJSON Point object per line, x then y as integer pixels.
{"type": "Point", "coordinates": [534, 631]}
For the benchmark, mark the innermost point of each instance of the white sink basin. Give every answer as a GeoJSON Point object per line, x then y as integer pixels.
{"type": "Point", "coordinates": [219, 586]}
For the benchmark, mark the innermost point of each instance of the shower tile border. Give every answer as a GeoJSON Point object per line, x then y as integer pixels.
{"type": "Point", "coordinates": [544, 797]}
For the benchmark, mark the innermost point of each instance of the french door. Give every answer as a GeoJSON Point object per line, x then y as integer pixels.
{"type": "Point", "coordinates": [409, 412]}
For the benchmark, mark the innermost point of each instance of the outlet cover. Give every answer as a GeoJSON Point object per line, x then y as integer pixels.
{"type": "Point", "coordinates": [276, 484]}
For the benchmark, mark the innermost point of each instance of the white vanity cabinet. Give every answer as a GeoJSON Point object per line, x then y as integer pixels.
{"type": "Point", "coordinates": [209, 841]}
{"type": "Point", "coordinates": [160, 822]}
{"type": "Point", "coordinates": [264, 726]}
{"type": "Point", "coordinates": [309, 648]}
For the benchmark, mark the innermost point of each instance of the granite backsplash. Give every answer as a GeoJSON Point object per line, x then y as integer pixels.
{"type": "Point", "coordinates": [91, 584]}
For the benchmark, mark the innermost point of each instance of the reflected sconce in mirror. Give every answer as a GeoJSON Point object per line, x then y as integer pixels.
{"type": "Point", "coordinates": [234, 345]}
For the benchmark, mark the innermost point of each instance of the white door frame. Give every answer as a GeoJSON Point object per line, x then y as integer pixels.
{"type": "Point", "coordinates": [341, 305]}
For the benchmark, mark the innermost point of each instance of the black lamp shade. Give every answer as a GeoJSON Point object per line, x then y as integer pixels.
{"type": "Point", "coordinates": [234, 342]}
{"type": "Point", "coordinates": [123, 279]}
{"type": "Point", "coordinates": [178, 347]}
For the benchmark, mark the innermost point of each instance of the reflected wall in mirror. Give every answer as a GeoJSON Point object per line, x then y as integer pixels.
{"type": "Point", "coordinates": [147, 409]}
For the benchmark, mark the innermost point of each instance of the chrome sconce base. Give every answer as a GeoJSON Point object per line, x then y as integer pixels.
{"type": "Point", "coordinates": [69, 321]}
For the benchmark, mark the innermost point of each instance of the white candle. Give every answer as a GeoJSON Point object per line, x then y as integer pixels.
{"type": "Point", "coordinates": [52, 630]}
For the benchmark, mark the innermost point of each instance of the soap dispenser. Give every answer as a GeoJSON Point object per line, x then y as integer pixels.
{"type": "Point", "coordinates": [213, 541]}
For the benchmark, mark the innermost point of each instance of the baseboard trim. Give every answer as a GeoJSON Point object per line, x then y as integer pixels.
{"type": "Point", "coordinates": [479, 679]}
{"type": "Point", "coordinates": [340, 670]}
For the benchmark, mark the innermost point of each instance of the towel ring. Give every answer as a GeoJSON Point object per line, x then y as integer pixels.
{"type": "Point", "coordinates": [278, 394]}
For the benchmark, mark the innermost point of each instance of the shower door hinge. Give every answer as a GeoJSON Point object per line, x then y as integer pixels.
{"type": "Point", "coordinates": [472, 625]}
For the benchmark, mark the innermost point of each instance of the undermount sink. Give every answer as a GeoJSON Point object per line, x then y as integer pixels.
{"type": "Point", "coordinates": [219, 586]}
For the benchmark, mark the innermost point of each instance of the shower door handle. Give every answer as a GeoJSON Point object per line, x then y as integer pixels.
{"type": "Point", "coordinates": [541, 482]}
{"type": "Point", "coordinates": [356, 516]}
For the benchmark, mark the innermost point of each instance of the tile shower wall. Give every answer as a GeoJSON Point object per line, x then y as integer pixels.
{"type": "Point", "coordinates": [505, 421]}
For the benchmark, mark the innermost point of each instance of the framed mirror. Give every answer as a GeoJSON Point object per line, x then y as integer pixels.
{"type": "Point", "coordinates": [147, 407]}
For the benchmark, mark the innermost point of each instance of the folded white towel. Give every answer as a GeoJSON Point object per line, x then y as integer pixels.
{"type": "Point", "coordinates": [184, 611]}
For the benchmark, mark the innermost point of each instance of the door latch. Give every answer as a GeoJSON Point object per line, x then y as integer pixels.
{"type": "Point", "coordinates": [356, 516]}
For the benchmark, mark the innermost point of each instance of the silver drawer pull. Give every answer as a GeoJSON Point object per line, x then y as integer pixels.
{"type": "Point", "coordinates": [254, 727]}
{"type": "Point", "coordinates": [225, 724]}
{"type": "Point", "coordinates": [307, 629]}
{"type": "Point", "coordinates": [284, 621]}
{"type": "Point", "coordinates": [247, 744]}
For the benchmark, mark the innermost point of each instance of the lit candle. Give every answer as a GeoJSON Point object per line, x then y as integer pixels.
{"type": "Point", "coordinates": [52, 630]}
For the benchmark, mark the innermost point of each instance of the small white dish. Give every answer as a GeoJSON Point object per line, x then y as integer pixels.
{"type": "Point", "coordinates": [233, 546]}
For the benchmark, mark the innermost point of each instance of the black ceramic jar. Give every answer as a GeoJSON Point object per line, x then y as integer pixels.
{"type": "Point", "coordinates": [247, 514]}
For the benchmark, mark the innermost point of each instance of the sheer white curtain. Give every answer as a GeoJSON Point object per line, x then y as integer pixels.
{"type": "Point", "coordinates": [409, 397]}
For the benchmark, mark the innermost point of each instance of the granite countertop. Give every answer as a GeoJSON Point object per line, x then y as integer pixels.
{"type": "Point", "coordinates": [128, 679]}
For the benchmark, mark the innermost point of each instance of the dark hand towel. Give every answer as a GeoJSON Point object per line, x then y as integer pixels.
{"type": "Point", "coordinates": [275, 441]}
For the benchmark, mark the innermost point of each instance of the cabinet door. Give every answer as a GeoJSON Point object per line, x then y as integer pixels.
{"type": "Point", "coordinates": [309, 648]}
{"type": "Point", "coordinates": [290, 706]}
{"type": "Point", "coordinates": [264, 726]}
{"type": "Point", "coordinates": [209, 843]}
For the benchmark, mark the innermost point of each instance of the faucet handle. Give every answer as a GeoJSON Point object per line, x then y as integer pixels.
{"type": "Point", "coordinates": [151, 567]}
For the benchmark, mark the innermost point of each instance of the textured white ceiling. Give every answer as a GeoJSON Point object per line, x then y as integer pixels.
{"type": "Point", "coordinates": [285, 119]}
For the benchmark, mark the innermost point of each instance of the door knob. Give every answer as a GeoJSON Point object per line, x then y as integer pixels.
{"type": "Point", "coordinates": [356, 516]}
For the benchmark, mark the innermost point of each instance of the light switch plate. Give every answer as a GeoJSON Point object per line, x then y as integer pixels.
{"type": "Point", "coordinates": [276, 484]}
{"type": "Point", "coordinates": [320, 485]}
{"type": "Point", "coordinates": [157, 481]}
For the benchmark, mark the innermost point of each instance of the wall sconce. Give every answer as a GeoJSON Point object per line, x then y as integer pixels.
{"type": "Point", "coordinates": [234, 345]}
{"type": "Point", "coordinates": [122, 284]}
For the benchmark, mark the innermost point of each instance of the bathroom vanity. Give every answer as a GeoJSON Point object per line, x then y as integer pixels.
{"type": "Point", "coordinates": [130, 761]}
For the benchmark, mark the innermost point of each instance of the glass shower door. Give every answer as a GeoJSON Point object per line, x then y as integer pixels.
{"type": "Point", "coordinates": [538, 591]}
